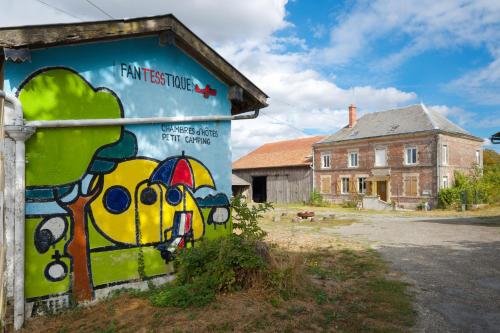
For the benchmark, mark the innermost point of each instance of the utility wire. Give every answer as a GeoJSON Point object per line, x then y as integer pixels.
{"type": "Point", "coordinates": [284, 123]}
{"type": "Point", "coordinates": [59, 9]}
{"type": "Point", "coordinates": [99, 9]}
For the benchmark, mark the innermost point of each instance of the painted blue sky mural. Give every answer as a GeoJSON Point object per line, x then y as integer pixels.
{"type": "Point", "coordinates": [314, 58]}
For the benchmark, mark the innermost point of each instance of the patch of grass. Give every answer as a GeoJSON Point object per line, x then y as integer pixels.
{"type": "Point", "coordinates": [196, 294]}
{"type": "Point", "coordinates": [111, 328]}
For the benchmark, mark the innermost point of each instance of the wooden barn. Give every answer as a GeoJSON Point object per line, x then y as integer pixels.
{"type": "Point", "coordinates": [279, 172]}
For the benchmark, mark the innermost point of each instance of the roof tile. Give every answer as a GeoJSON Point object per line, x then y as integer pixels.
{"type": "Point", "coordinates": [279, 154]}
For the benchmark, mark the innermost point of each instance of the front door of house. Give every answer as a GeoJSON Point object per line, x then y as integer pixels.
{"type": "Point", "coordinates": [382, 190]}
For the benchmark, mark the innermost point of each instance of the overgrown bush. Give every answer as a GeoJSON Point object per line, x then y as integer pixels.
{"type": "Point", "coordinates": [477, 187]}
{"type": "Point", "coordinates": [316, 199]}
{"type": "Point", "coordinates": [228, 264]}
{"type": "Point", "coordinates": [223, 264]}
{"type": "Point", "coordinates": [449, 197]}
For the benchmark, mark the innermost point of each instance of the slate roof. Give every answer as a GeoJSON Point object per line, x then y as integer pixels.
{"type": "Point", "coordinates": [167, 27]}
{"type": "Point", "coordinates": [409, 119]}
{"type": "Point", "coordinates": [279, 154]}
{"type": "Point", "coordinates": [235, 180]}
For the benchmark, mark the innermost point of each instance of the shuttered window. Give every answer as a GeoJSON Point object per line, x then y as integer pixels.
{"type": "Point", "coordinates": [410, 186]}
{"type": "Point", "coordinates": [326, 186]}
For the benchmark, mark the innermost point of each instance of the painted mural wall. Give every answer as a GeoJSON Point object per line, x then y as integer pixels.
{"type": "Point", "coordinates": [110, 205]}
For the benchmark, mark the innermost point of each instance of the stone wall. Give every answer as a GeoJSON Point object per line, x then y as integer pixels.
{"type": "Point", "coordinates": [461, 157]}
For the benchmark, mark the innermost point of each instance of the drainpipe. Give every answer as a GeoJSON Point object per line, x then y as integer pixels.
{"type": "Point", "coordinates": [15, 129]}
{"type": "Point", "coordinates": [20, 131]}
{"type": "Point", "coordinates": [313, 170]}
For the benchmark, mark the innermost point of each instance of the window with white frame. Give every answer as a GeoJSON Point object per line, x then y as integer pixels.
{"type": "Point", "coordinates": [411, 155]}
{"type": "Point", "coordinates": [325, 160]}
{"type": "Point", "coordinates": [344, 189]}
{"type": "Point", "coordinates": [362, 185]}
{"type": "Point", "coordinates": [445, 154]}
{"type": "Point", "coordinates": [445, 182]}
{"type": "Point", "coordinates": [352, 160]}
{"type": "Point", "coordinates": [478, 157]}
{"type": "Point", "coordinates": [380, 157]}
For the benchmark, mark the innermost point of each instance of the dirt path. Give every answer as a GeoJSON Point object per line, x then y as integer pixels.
{"type": "Point", "coordinates": [454, 264]}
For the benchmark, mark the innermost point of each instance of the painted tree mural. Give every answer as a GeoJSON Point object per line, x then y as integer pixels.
{"type": "Point", "coordinates": [94, 205]}
{"type": "Point", "coordinates": [70, 173]}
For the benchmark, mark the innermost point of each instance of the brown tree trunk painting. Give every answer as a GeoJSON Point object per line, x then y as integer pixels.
{"type": "Point", "coordinates": [78, 247]}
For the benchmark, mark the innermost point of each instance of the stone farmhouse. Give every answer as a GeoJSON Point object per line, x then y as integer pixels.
{"type": "Point", "coordinates": [402, 156]}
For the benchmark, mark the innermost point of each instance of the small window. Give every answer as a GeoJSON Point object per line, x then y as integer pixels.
{"type": "Point", "coordinates": [410, 186]}
{"type": "Point", "coordinates": [325, 161]}
{"type": "Point", "coordinates": [478, 157]}
{"type": "Point", "coordinates": [445, 182]}
{"type": "Point", "coordinates": [362, 185]}
{"type": "Point", "coordinates": [445, 154]}
{"type": "Point", "coordinates": [345, 185]}
{"type": "Point", "coordinates": [353, 159]}
{"type": "Point", "coordinates": [411, 155]}
{"type": "Point", "coordinates": [380, 157]}
{"type": "Point", "coordinates": [326, 186]}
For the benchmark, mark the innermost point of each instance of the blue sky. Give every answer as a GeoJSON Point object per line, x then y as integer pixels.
{"type": "Point", "coordinates": [314, 58]}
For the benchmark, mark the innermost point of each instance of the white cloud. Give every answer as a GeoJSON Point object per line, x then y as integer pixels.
{"type": "Point", "coordinates": [216, 21]}
{"type": "Point", "coordinates": [301, 98]}
{"type": "Point", "coordinates": [482, 85]}
{"type": "Point", "coordinates": [425, 24]}
{"type": "Point", "coordinates": [455, 113]}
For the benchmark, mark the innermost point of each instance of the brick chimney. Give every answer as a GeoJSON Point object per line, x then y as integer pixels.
{"type": "Point", "coordinates": [352, 115]}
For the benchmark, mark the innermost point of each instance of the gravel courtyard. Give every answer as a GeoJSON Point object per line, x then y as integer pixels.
{"type": "Point", "coordinates": [453, 264]}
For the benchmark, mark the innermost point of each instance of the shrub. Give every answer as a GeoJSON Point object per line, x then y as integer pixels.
{"type": "Point", "coordinates": [224, 264]}
{"type": "Point", "coordinates": [246, 218]}
{"type": "Point", "coordinates": [316, 199]}
{"type": "Point", "coordinates": [449, 197]}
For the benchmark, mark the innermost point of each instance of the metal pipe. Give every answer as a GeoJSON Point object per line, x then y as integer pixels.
{"type": "Point", "coordinates": [132, 121]}
{"type": "Point", "coordinates": [15, 128]}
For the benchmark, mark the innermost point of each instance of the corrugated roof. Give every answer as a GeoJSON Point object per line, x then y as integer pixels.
{"type": "Point", "coordinates": [235, 180]}
{"type": "Point", "coordinates": [279, 154]}
{"type": "Point", "coordinates": [410, 119]}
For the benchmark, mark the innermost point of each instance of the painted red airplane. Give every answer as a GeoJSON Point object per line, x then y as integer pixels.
{"type": "Point", "coordinates": [207, 91]}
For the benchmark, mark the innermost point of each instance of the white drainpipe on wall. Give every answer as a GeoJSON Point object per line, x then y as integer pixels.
{"type": "Point", "coordinates": [16, 130]}
{"type": "Point", "coordinates": [313, 171]}
{"type": "Point", "coordinates": [20, 131]}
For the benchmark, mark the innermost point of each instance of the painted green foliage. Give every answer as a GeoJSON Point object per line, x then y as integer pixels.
{"type": "Point", "coordinates": [60, 94]}
{"type": "Point", "coordinates": [103, 214]}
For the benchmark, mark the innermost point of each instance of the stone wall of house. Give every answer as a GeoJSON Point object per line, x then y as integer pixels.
{"type": "Point", "coordinates": [395, 168]}
{"type": "Point", "coordinates": [429, 167]}
{"type": "Point", "coordinates": [461, 156]}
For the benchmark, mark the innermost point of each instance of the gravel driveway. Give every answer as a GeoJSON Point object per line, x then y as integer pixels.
{"type": "Point", "coordinates": [453, 264]}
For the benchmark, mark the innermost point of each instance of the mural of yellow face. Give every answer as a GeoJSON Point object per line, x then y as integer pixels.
{"type": "Point", "coordinates": [132, 211]}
